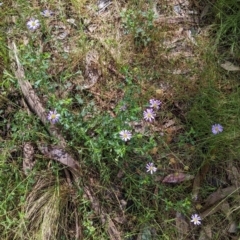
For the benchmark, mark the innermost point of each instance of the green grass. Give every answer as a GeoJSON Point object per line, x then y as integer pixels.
{"type": "Point", "coordinates": [139, 203]}
{"type": "Point", "coordinates": [227, 20]}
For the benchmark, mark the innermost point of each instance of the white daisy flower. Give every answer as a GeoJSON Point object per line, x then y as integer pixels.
{"type": "Point", "coordinates": [125, 135]}
{"type": "Point", "coordinates": [33, 24]}
{"type": "Point", "coordinates": [53, 116]}
{"type": "Point", "coordinates": [150, 168]}
{"type": "Point", "coordinates": [149, 115]}
{"type": "Point", "coordinates": [155, 103]}
{"type": "Point", "coordinates": [47, 13]}
{"type": "Point", "coordinates": [196, 219]}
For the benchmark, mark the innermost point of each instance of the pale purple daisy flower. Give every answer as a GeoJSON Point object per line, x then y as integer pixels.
{"type": "Point", "coordinates": [47, 13]}
{"type": "Point", "coordinates": [53, 116]}
{"type": "Point", "coordinates": [125, 135]}
{"type": "Point", "coordinates": [155, 103]}
{"type": "Point", "coordinates": [150, 168]}
{"type": "Point", "coordinates": [149, 115]}
{"type": "Point", "coordinates": [217, 128]}
{"type": "Point", "coordinates": [33, 24]}
{"type": "Point", "coordinates": [196, 219]}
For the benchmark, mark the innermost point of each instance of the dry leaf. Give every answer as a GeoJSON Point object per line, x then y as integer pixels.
{"type": "Point", "coordinates": [169, 123]}
{"type": "Point", "coordinates": [72, 21]}
{"type": "Point", "coordinates": [211, 210]}
{"type": "Point", "coordinates": [60, 155]}
{"type": "Point", "coordinates": [177, 9]}
{"type": "Point", "coordinates": [198, 179]}
{"type": "Point", "coordinates": [206, 233]}
{"type": "Point", "coordinates": [58, 30]}
{"type": "Point", "coordinates": [103, 4]}
{"type": "Point", "coordinates": [154, 151]}
{"type": "Point", "coordinates": [233, 228]}
{"type": "Point", "coordinates": [213, 203]}
{"type": "Point", "coordinates": [233, 174]}
{"type": "Point", "coordinates": [226, 210]}
{"type": "Point", "coordinates": [177, 178]}
{"type": "Point", "coordinates": [230, 66]}
{"type": "Point", "coordinates": [205, 11]}
{"type": "Point", "coordinates": [92, 28]}
{"type": "Point", "coordinates": [93, 71]}
{"type": "Point", "coordinates": [196, 187]}
{"type": "Point", "coordinates": [219, 195]}
{"type": "Point", "coordinates": [181, 225]}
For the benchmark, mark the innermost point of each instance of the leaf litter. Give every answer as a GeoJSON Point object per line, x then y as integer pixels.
{"type": "Point", "coordinates": [180, 45]}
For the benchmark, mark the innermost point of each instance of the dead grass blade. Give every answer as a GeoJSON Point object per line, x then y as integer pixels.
{"type": "Point", "coordinates": [47, 210]}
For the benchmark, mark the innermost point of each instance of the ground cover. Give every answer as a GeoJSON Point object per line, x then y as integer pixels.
{"type": "Point", "coordinates": [119, 120]}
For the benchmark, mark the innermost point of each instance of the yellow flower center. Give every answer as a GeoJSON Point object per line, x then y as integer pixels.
{"type": "Point", "coordinates": [53, 116]}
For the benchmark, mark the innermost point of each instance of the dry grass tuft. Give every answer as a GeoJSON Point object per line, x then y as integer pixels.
{"type": "Point", "coordinates": [48, 211]}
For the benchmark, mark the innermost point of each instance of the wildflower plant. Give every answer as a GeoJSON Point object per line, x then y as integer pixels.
{"type": "Point", "coordinates": [155, 104]}
{"type": "Point", "coordinates": [149, 114]}
{"type": "Point", "coordinates": [140, 24]}
{"type": "Point", "coordinates": [53, 116]}
{"type": "Point", "coordinates": [196, 219]}
{"type": "Point", "coordinates": [217, 128]}
{"type": "Point", "coordinates": [33, 24]}
{"type": "Point", "coordinates": [125, 135]}
{"type": "Point", "coordinates": [47, 13]}
{"type": "Point", "coordinates": [109, 134]}
{"type": "Point", "coordinates": [151, 168]}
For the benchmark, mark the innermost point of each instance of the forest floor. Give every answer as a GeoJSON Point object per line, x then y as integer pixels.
{"type": "Point", "coordinates": [119, 120]}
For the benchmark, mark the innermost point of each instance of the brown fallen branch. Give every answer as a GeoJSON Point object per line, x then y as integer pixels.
{"type": "Point", "coordinates": [32, 99]}
{"type": "Point", "coordinates": [28, 157]}
{"type": "Point", "coordinates": [59, 153]}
